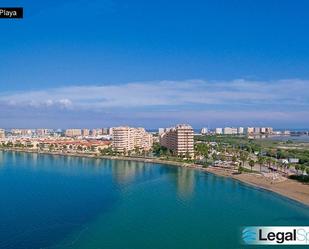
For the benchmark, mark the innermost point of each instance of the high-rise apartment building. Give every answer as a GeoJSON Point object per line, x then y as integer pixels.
{"type": "Point", "coordinates": [21, 132]}
{"type": "Point", "coordinates": [230, 131]}
{"type": "Point", "coordinates": [179, 139]}
{"type": "Point", "coordinates": [240, 130]}
{"type": "Point", "coordinates": [73, 132]}
{"type": "Point", "coordinates": [249, 130]}
{"type": "Point", "coordinates": [204, 131]}
{"type": "Point", "coordinates": [160, 131]}
{"type": "Point", "coordinates": [269, 130]}
{"type": "Point", "coordinates": [85, 132]}
{"type": "Point", "coordinates": [127, 139]}
{"type": "Point", "coordinates": [2, 133]}
{"type": "Point", "coordinates": [259, 130]}
{"type": "Point", "coordinates": [42, 132]}
{"type": "Point", "coordinates": [142, 139]}
{"type": "Point", "coordinates": [97, 132]}
{"type": "Point", "coordinates": [218, 131]}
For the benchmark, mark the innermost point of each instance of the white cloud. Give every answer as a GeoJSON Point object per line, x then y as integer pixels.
{"type": "Point", "coordinates": [167, 94]}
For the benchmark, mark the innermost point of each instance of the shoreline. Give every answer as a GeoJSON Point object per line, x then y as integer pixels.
{"type": "Point", "coordinates": [291, 189]}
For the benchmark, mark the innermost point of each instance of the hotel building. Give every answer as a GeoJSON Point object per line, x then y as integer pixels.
{"type": "Point", "coordinates": [128, 139]}
{"type": "Point", "coordinates": [179, 140]}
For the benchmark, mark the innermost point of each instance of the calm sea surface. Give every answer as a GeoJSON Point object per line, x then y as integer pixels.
{"type": "Point", "coordinates": [69, 202]}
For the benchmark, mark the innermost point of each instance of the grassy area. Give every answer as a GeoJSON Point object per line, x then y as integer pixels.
{"type": "Point", "coordinates": [265, 147]}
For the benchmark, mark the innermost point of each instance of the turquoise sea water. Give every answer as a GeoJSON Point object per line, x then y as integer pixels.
{"type": "Point", "coordinates": [69, 202]}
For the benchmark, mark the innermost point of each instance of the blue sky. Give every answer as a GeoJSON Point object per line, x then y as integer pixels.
{"type": "Point", "coordinates": [155, 63]}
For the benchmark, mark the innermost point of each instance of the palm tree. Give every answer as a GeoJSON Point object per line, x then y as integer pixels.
{"type": "Point", "coordinates": [187, 155]}
{"type": "Point", "coordinates": [302, 168]}
{"type": "Point", "coordinates": [261, 161]}
{"type": "Point", "coordinates": [282, 165]}
{"type": "Point", "coordinates": [307, 170]}
{"type": "Point", "coordinates": [274, 163]}
{"type": "Point", "coordinates": [251, 163]}
{"type": "Point", "coordinates": [297, 168]}
{"type": "Point", "coordinates": [222, 157]}
{"type": "Point", "coordinates": [243, 157]}
{"type": "Point", "coordinates": [136, 151]}
{"type": "Point", "coordinates": [215, 156]}
{"type": "Point", "coordinates": [234, 159]}
{"type": "Point", "coordinates": [287, 167]}
{"type": "Point", "coordinates": [269, 161]}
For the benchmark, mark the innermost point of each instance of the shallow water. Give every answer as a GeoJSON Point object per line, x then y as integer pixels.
{"type": "Point", "coordinates": [70, 202]}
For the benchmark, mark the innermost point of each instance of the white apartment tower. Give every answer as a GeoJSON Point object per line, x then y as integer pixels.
{"type": "Point", "coordinates": [179, 139]}
{"type": "Point", "coordinates": [218, 131]}
{"type": "Point", "coordinates": [204, 131]}
{"type": "Point", "coordinates": [127, 139]}
{"type": "Point", "coordinates": [230, 131]}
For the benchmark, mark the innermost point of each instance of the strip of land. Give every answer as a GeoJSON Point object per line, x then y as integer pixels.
{"type": "Point", "coordinates": [289, 188]}
{"type": "Point", "coordinates": [292, 189]}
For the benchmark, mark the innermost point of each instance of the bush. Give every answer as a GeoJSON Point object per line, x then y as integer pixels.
{"type": "Point", "coordinates": [300, 178]}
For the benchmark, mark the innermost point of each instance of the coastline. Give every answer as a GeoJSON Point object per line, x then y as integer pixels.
{"type": "Point", "coordinates": [290, 189]}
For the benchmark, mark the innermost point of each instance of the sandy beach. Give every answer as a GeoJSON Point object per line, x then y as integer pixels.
{"type": "Point", "coordinates": [292, 189]}
{"type": "Point", "coordinates": [289, 188]}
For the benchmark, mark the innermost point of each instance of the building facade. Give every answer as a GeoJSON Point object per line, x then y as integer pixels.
{"type": "Point", "coordinates": [2, 133]}
{"type": "Point", "coordinates": [204, 131]}
{"type": "Point", "coordinates": [73, 132]}
{"type": "Point", "coordinates": [218, 131]}
{"type": "Point", "coordinates": [179, 139]}
{"type": "Point", "coordinates": [85, 132]}
{"type": "Point", "coordinates": [127, 139]}
{"type": "Point", "coordinates": [230, 131]}
{"type": "Point", "coordinates": [249, 130]}
{"type": "Point", "coordinates": [42, 132]}
{"type": "Point", "coordinates": [241, 130]}
{"type": "Point", "coordinates": [259, 130]}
